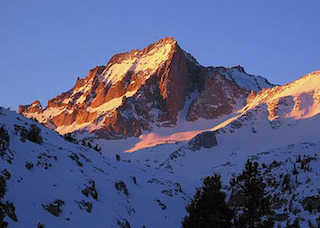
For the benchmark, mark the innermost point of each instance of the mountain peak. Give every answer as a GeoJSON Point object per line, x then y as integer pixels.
{"type": "Point", "coordinates": [147, 59]}
{"type": "Point", "coordinates": [166, 40]}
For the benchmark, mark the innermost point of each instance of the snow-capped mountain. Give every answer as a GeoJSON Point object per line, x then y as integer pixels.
{"type": "Point", "coordinates": [173, 122]}
{"type": "Point", "coordinates": [139, 90]}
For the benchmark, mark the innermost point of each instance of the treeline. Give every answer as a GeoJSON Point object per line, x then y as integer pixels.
{"type": "Point", "coordinates": [249, 205]}
{"type": "Point", "coordinates": [68, 137]}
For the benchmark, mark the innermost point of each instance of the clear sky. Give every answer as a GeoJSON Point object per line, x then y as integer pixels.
{"type": "Point", "coordinates": [46, 45]}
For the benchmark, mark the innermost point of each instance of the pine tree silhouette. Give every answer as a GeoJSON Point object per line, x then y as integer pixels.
{"type": "Point", "coordinates": [255, 201]}
{"type": "Point", "coordinates": [208, 208]}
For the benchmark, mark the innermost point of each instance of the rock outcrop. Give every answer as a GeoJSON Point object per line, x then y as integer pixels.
{"type": "Point", "coordinates": [35, 107]}
{"type": "Point", "coordinates": [205, 139]}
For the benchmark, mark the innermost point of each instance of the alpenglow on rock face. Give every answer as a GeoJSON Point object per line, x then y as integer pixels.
{"type": "Point", "coordinates": [138, 90]}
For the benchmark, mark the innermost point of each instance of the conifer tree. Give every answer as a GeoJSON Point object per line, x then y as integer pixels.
{"type": "Point", "coordinates": [208, 208]}
{"type": "Point", "coordinates": [255, 201]}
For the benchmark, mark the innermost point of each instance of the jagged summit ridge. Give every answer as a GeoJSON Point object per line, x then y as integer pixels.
{"type": "Point", "coordinates": [149, 58]}
{"type": "Point", "coordinates": [298, 100]}
{"type": "Point", "coordinates": [138, 90]}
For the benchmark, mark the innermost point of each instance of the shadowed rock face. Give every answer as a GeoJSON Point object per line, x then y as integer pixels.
{"type": "Point", "coordinates": [218, 97]}
{"type": "Point", "coordinates": [140, 89]}
{"type": "Point", "coordinates": [205, 139]}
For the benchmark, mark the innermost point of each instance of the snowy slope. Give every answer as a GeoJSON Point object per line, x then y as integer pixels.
{"type": "Point", "coordinates": [243, 79]}
{"type": "Point", "coordinates": [297, 100]}
{"type": "Point", "coordinates": [118, 191]}
{"type": "Point", "coordinates": [138, 61]}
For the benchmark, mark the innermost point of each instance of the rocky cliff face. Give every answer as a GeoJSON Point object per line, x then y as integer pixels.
{"type": "Point", "coordinates": [138, 90]}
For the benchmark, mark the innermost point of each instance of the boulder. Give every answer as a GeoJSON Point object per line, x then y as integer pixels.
{"type": "Point", "coordinates": [205, 139]}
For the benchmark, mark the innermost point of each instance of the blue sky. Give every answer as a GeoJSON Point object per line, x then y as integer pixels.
{"type": "Point", "coordinates": [46, 45]}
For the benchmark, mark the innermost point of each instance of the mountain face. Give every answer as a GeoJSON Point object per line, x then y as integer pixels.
{"type": "Point", "coordinates": [139, 90]}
